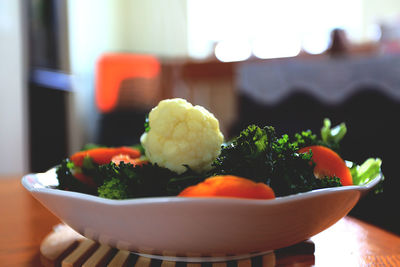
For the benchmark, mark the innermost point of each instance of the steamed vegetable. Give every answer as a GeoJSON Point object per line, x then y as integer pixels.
{"type": "Point", "coordinates": [366, 172]}
{"type": "Point", "coordinates": [229, 186]}
{"type": "Point", "coordinates": [331, 137]}
{"type": "Point", "coordinates": [103, 155]}
{"type": "Point", "coordinates": [258, 154]}
{"type": "Point", "coordinates": [182, 146]}
{"type": "Point", "coordinates": [180, 134]}
{"type": "Point", "coordinates": [129, 181]}
{"type": "Point", "coordinates": [67, 181]}
{"type": "Point", "coordinates": [127, 159]}
{"type": "Point", "coordinates": [81, 171]}
{"type": "Point", "coordinates": [328, 164]}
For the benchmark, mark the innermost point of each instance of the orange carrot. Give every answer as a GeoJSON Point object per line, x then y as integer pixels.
{"type": "Point", "coordinates": [229, 186]}
{"type": "Point", "coordinates": [127, 159]}
{"type": "Point", "coordinates": [103, 155]}
{"type": "Point", "coordinates": [328, 163]}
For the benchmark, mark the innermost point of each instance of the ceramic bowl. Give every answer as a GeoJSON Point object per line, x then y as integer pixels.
{"type": "Point", "coordinates": [197, 227]}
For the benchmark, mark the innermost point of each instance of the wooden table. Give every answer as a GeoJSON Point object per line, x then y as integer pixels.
{"type": "Point", "coordinates": [24, 222]}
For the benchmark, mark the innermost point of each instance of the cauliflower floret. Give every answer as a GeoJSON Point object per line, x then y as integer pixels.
{"type": "Point", "coordinates": [182, 134]}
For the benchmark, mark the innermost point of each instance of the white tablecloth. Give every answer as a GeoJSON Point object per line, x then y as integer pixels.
{"type": "Point", "coordinates": [330, 79]}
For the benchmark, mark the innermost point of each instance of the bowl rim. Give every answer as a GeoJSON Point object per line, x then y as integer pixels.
{"type": "Point", "coordinates": [176, 199]}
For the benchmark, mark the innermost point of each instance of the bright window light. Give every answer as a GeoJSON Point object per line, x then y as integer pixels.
{"type": "Point", "coordinates": [271, 28]}
{"type": "Point", "coordinates": [316, 43]}
{"type": "Point", "coordinates": [278, 47]}
{"type": "Point", "coordinates": [232, 50]}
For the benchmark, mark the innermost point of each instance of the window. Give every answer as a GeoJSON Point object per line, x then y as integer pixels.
{"type": "Point", "coordinates": [268, 29]}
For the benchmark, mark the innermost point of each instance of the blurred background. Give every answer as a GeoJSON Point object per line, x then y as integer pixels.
{"type": "Point", "coordinates": [76, 72]}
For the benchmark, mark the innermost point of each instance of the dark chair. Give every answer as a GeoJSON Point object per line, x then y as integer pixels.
{"type": "Point", "coordinates": [127, 87]}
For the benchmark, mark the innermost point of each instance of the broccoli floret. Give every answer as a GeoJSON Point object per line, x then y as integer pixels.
{"type": "Point", "coordinates": [327, 182]}
{"type": "Point", "coordinates": [126, 180]}
{"type": "Point", "coordinates": [249, 155]}
{"type": "Point", "coordinates": [330, 137]}
{"type": "Point", "coordinates": [305, 138]}
{"type": "Point", "coordinates": [188, 178]}
{"type": "Point", "coordinates": [149, 180]}
{"type": "Point", "coordinates": [67, 181]}
{"type": "Point", "coordinates": [259, 155]}
{"type": "Point", "coordinates": [113, 188]}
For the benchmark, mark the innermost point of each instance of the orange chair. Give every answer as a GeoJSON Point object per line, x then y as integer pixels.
{"type": "Point", "coordinates": [113, 69]}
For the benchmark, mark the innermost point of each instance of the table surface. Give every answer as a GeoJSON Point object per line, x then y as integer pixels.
{"type": "Point", "coordinates": [24, 223]}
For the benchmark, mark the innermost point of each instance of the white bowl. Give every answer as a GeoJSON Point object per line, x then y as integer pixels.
{"type": "Point", "coordinates": [197, 227]}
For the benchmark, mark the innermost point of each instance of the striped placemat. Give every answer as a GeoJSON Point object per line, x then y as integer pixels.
{"type": "Point", "coordinates": [64, 247]}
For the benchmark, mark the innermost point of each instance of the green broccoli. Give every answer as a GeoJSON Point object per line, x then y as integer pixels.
{"type": "Point", "coordinates": [258, 154]}
{"type": "Point", "coordinates": [149, 180]}
{"type": "Point", "coordinates": [67, 181]}
{"type": "Point", "coordinates": [113, 188]}
{"type": "Point", "coordinates": [248, 155]}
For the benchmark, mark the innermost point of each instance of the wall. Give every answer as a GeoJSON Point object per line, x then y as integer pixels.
{"type": "Point", "coordinates": [156, 26]}
{"type": "Point", "coordinates": [90, 30]}
{"type": "Point", "coordinates": [13, 119]}
{"type": "Point", "coordinates": [377, 11]}
{"type": "Point", "coordinates": [99, 26]}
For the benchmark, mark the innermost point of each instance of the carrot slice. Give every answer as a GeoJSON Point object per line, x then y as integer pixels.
{"type": "Point", "coordinates": [127, 159]}
{"type": "Point", "coordinates": [103, 155]}
{"type": "Point", "coordinates": [229, 186]}
{"type": "Point", "coordinates": [328, 163]}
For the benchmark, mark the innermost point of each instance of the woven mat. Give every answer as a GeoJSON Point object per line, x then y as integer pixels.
{"type": "Point", "coordinates": [65, 247]}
